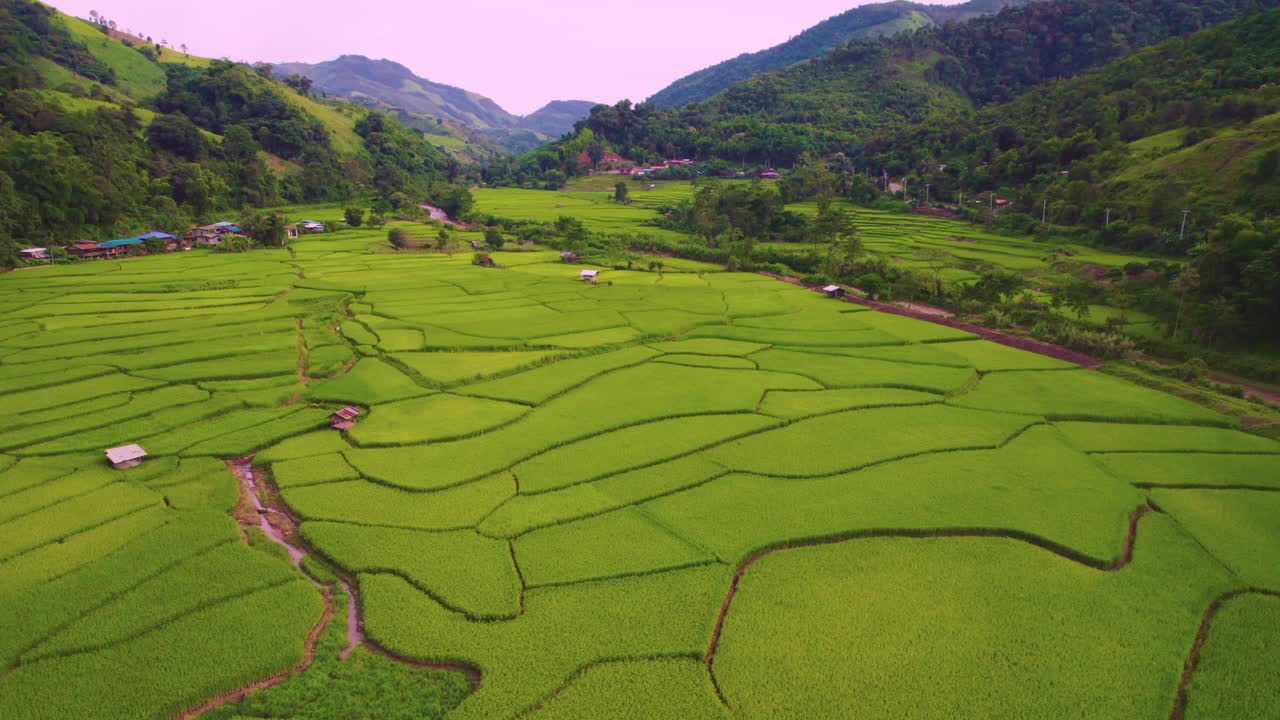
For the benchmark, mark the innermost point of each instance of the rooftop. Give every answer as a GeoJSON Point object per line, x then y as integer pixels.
{"type": "Point", "coordinates": [348, 413]}
{"type": "Point", "coordinates": [125, 453]}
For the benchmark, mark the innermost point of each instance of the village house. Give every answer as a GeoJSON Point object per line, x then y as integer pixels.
{"type": "Point", "coordinates": [311, 226]}
{"type": "Point", "coordinates": [85, 249]}
{"type": "Point", "coordinates": [291, 232]}
{"type": "Point", "coordinates": [125, 457]}
{"type": "Point", "coordinates": [770, 175]}
{"type": "Point", "coordinates": [115, 248]}
{"type": "Point", "coordinates": [35, 253]}
{"type": "Point", "coordinates": [204, 237]}
{"type": "Point", "coordinates": [210, 235]}
{"type": "Point", "coordinates": [834, 291]}
{"type": "Point", "coordinates": [344, 419]}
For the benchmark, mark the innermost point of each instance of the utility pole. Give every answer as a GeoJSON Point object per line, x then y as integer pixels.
{"type": "Point", "coordinates": [1182, 231]}
{"type": "Point", "coordinates": [961, 203]}
{"type": "Point", "coordinates": [1108, 218]}
{"type": "Point", "coordinates": [1044, 210]}
{"type": "Point", "coordinates": [926, 194]}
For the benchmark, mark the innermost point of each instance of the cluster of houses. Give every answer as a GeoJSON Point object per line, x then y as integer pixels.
{"type": "Point", "coordinates": [668, 165]}
{"type": "Point", "coordinates": [206, 236]}
{"type": "Point", "coordinates": [87, 249]}
{"type": "Point", "coordinates": [614, 164]}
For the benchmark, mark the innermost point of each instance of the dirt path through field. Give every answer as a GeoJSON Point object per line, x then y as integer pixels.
{"type": "Point", "coordinates": [441, 216]}
{"type": "Point", "coordinates": [281, 527]}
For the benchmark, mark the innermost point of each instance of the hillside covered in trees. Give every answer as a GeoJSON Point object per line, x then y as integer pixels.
{"type": "Point", "coordinates": [864, 21]}
{"type": "Point", "coordinates": [103, 136]}
{"type": "Point", "coordinates": [840, 102]}
{"type": "Point", "coordinates": [1190, 124]}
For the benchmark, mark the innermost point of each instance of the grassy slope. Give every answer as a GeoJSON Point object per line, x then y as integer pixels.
{"type": "Point", "coordinates": [1216, 168]}
{"type": "Point", "coordinates": [140, 79]}
{"type": "Point", "coordinates": [136, 75]}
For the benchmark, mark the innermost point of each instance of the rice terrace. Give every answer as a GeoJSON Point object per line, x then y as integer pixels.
{"type": "Point", "coordinates": [924, 365]}
{"type": "Point", "coordinates": [678, 494]}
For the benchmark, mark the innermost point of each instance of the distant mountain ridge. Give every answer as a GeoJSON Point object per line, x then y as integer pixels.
{"type": "Point", "coordinates": [866, 21]}
{"type": "Point", "coordinates": [556, 117]}
{"type": "Point", "coordinates": [385, 82]}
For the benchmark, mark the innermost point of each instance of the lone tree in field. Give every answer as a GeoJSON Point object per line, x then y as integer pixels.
{"type": "Point", "coordinates": [493, 238]}
{"type": "Point", "coordinates": [397, 236]}
{"type": "Point", "coordinates": [620, 192]}
{"type": "Point", "coordinates": [354, 217]}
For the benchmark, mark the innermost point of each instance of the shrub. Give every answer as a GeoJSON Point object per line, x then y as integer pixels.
{"type": "Point", "coordinates": [398, 237]}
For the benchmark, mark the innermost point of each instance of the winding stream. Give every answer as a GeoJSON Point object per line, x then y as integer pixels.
{"type": "Point", "coordinates": [243, 469]}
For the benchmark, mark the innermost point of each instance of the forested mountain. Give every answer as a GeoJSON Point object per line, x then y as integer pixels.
{"type": "Point", "coordinates": [865, 21]}
{"type": "Point", "coordinates": [839, 103]}
{"type": "Point", "coordinates": [102, 137]}
{"type": "Point", "coordinates": [387, 83]}
{"type": "Point", "coordinates": [1190, 124]}
{"type": "Point", "coordinates": [356, 77]}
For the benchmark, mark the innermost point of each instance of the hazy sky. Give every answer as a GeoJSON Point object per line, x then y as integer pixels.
{"type": "Point", "coordinates": [521, 54]}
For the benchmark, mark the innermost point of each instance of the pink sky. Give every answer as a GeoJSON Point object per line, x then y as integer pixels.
{"type": "Point", "coordinates": [521, 54]}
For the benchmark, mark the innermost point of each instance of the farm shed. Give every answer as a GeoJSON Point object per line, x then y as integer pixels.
{"type": "Point", "coordinates": [485, 261]}
{"type": "Point", "coordinates": [833, 291]}
{"type": "Point", "coordinates": [35, 253]}
{"type": "Point", "coordinates": [569, 257]}
{"type": "Point", "coordinates": [590, 276]}
{"type": "Point", "coordinates": [771, 175]}
{"type": "Point", "coordinates": [344, 419]}
{"type": "Point", "coordinates": [126, 456]}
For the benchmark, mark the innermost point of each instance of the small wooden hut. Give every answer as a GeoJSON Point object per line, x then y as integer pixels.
{"type": "Point", "coordinates": [834, 291]}
{"type": "Point", "coordinates": [125, 457]}
{"type": "Point", "coordinates": [344, 419]}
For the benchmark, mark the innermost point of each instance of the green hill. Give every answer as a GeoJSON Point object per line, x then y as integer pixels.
{"type": "Point", "coordinates": [865, 21]}
{"type": "Point", "coordinates": [935, 75]}
{"type": "Point", "coordinates": [106, 134]}
{"type": "Point", "coordinates": [1189, 124]}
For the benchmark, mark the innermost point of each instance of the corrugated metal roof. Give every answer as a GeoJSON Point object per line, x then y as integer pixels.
{"type": "Point", "coordinates": [348, 413]}
{"type": "Point", "coordinates": [125, 453]}
{"type": "Point", "coordinates": [117, 243]}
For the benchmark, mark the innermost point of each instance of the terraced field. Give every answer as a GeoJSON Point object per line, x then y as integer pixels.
{"type": "Point", "coordinates": [691, 494]}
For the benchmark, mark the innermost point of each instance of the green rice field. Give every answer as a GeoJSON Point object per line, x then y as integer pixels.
{"type": "Point", "coordinates": [686, 494]}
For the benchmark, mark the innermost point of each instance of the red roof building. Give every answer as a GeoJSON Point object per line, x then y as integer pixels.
{"type": "Point", "coordinates": [344, 419]}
